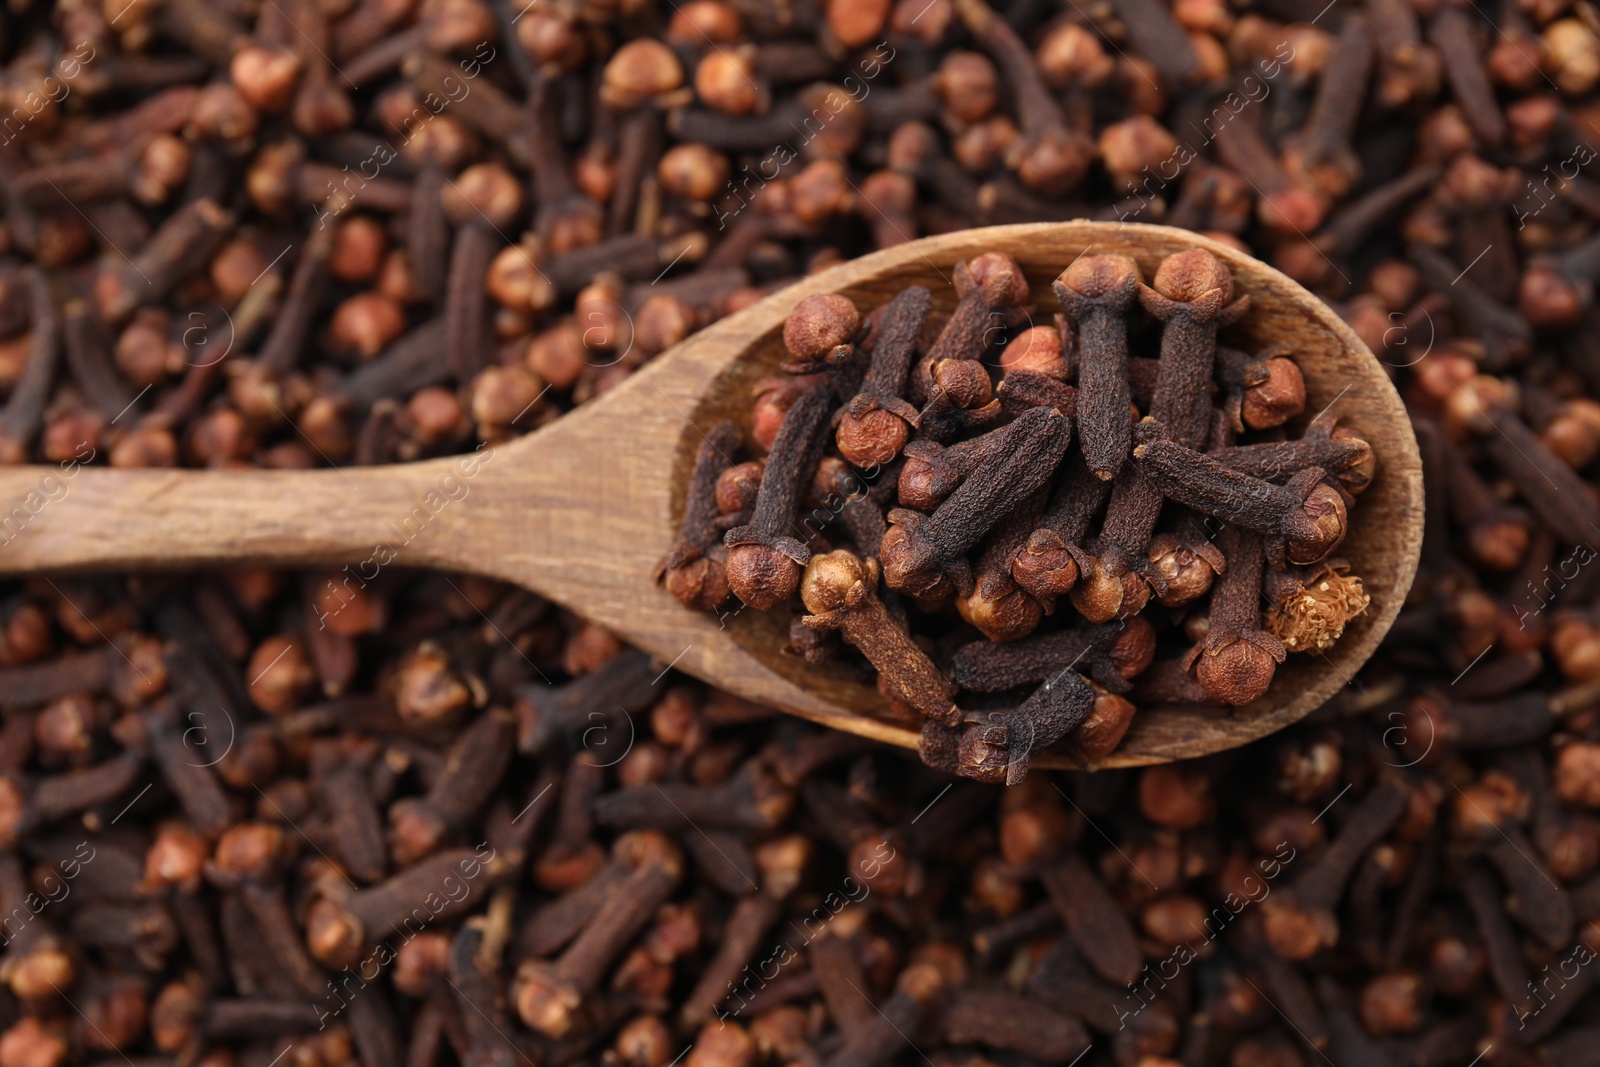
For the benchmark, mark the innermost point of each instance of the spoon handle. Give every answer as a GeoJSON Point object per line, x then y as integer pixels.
{"type": "Point", "coordinates": [85, 518]}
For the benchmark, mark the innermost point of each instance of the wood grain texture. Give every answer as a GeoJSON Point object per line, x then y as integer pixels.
{"type": "Point", "coordinates": [581, 510]}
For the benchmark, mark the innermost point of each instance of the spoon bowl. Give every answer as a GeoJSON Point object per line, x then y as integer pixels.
{"type": "Point", "coordinates": [581, 510]}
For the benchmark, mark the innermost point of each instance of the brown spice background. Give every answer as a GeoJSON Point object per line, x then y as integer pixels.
{"type": "Point", "coordinates": [418, 226]}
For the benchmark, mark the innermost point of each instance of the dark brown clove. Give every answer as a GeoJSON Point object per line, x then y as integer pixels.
{"type": "Point", "coordinates": [1305, 519]}
{"type": "Point", "coordinates": [764, 562]}
{"type": "Point", "coordinates": [1096, 293]}
{"type": "Point", "coordinates": [186, 239]}
{"type": "Point", "coordinates": [550, 995]}
{"type": "Point", "coordinates": [921, 552]}
{"type": "Point", "coordinates": [691, 568]}
{"type": "Point", "coordinates": [1236, 661]}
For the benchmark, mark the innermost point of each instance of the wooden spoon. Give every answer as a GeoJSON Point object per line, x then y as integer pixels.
{"type": "Point", "coordinates": [580, 511]}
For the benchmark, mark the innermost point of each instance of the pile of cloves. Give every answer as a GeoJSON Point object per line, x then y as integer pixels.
{"type": "Point", "coordinates": [519, 842]}
{"type": "Point", "coordinates": [1183, 482]}
{"type": "Point", "coordinates": [384, 229]}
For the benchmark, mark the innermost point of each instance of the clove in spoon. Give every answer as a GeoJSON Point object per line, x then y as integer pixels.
{"type": "Point", "coordinates": [580, 511]}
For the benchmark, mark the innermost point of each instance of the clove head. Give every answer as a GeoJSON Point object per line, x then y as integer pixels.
{"type": "Point", "coordinates": [1037, 349]}
{"type": "Point", "coordinates": [1294, 930]}
{"type": "Point", "coordinates": [1073, 54]}
{"type": "Point", "coordinates": [416, 830]}
{"type": "Point", "coordinates": [1392, 1003]}
{"type": "Point", "coordinates": [32, 1042]}
{"type": "Point", "coordinates": [968, 85]}
{"type": "Point", "coordinates": [910, 565]}
{"type": "Point", "coordinates": [1549, 299]}
{"type": "Point", "coordinates": [176, 1012]}
{"type": "Point", "coordinates": [1111, 282]}
{"type": "Point", "coordinates": [1573, 434]}
{"type": "Point", "coordinates": [995, 277]}
{"type": "Point", "coordinates": [965, 382]}
{"type": "Point", "coordinates": [1106, 725]}
{"type": "Point", "coordinates": [427, 689]}
{"type": "Point", "coordinates": [1474, 407]}
{"type": "Point", "coordinates": [1575, 644]}
{"type": "Point", "coordinates": [1277, 399]}
{"type": "Point", "coordinates": [819, 324]}
{"type": "Point", "coordinates": [700, 585]}
{"type": "Point", "coordinates": [420, 962]}
{"type": "Point", "coordinates": [1482, 808]}
{"type": "Point", "coordinates": [485, 191]}
{"type": "Point", "coordinates": [334, 936]}
{"type": "Point", "coordinates": [873, 439]}
{"type": "Point", "coordinates": [1051, 163]}
{"type": "Point", "coordinates": [1046, 568]}
{"type": "Point", "coordinates": [253, 851]}
{"type": "Point", "coordinates": [725, 81]}
{"type": "Point", "coordinates": [985, 752]}
{"type": "Point", "coordinates": [544, 1002]}
{"type": "Point", "coordinates": [1317, 525]}
{"type": "Point", "coordinates": [34, 974]}
{"type": "Point", "coordinates": [638, 849]}
{"type": "Point", "coordinates": [1134, 648]}
{"type": "Point", "coordinates": [761, 576]}
{"type": "Point", "coordinates": [1187, 574]}
{"type": "Point", "coordinates": [1000, 610]}
{"type": "Point", "coordinates": [1128, 148]}
{"type": "Point", "coordinates": [738, 485]}
{"type": "Point", "coordinates": [836, 580]}
{"type": "Point", "coordinates": [639, 70]}
{"type": "Point", "coordinates": [1577, 774]}
{"type": "Point", "coordinates": [265, 75]}
{"type": "Point", "coordinates": [891, 877]}
{"type": "Point", "coordinates": [767, 797]}
{"type": "Point", "coordinates": [1237, 670]}
{"type": "Point", "coordinates": [1195, 279]}
{"type": "Point", "coordinates": [176, 858]}
{"type": "Point", "coordinates": [1357, 476]}
{"type": "Point", "coordinates": [642, 1041]}
{"type": "Point", "coordinates": [13, 811]}
{"type": "Point", "coordinates": [1105, 592]}
{"type": "Point", "coordinates": [1294, 208]}
{"type": "Point", "coordinates": [927, 477]}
